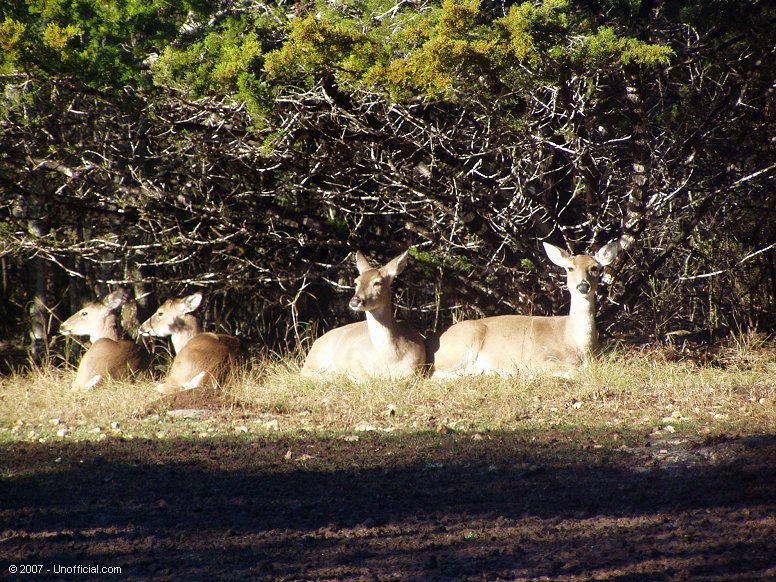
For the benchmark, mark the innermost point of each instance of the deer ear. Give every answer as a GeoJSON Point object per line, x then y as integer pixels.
{"type": "Point", "coordinates": [557, 255]}
{"type": "Point", "coordinates": [396, 265]}
{"type": "Point", "coordinates": [116, 299]}
{"type": "Point", "coordinates": [362, 264]}
{"type": "Point", "coordinates": [607, 253]}
{"type": "Point", "coordinates": [191, 302]}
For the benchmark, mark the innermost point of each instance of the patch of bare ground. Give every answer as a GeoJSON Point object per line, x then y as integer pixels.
{"type": "Point", "coordinates": [420, 506]}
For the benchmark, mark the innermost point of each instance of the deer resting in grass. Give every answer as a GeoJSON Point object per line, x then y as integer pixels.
{"type": "Point", "coordinates": [201, 358]}
{"type": "Point", "coordinates": [512, 344]}
{"type": "Point", "coordinates": [377, 347]}
{"type": "Point", "coordinates": [109, 356]}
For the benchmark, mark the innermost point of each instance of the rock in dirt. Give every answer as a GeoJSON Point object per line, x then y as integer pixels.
{"type": "Point", "coordinates": [198, 413]}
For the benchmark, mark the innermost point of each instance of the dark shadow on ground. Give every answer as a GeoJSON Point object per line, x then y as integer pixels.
{"type": "Point", "coordinates": [410, 507]}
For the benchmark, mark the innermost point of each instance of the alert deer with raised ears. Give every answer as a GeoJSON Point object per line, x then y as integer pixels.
{"type": "Point", "coordinates": [109, 356]}
{"type": "Point", "coordinates": [201, 358]}
{"type": "Point", "coordinates": [377, 347]}
{"type": "Point", "coordinates": [514, 344]}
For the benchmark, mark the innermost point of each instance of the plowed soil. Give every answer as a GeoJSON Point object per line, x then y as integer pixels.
{"type": "Point", "coordinates": [430, 506]}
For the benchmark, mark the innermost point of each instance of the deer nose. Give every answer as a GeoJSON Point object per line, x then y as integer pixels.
{"type": "Point", "coordinates": [356, 302]}
{"type": "Point", "coordinates": [584, 287]}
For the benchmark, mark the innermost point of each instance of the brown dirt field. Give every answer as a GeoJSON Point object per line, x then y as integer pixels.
{"type": "Point", "coordinates": [427, 506]}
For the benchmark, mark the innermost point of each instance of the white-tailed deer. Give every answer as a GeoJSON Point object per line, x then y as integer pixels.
{"type": "Point", "coordinates": [511, 344]}
{"type": "Point", "coordinates": [201, 358]}
{"type": "Point", "coordinates": [109, 356]}
{"type": "Point", "coordinates": [377, 347]}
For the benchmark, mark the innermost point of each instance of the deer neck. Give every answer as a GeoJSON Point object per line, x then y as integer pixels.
{"type": "Point", "coordinates": [581, 330]}
{"type": "Point", "coordinates": [383, 330]}
{"type": "Point", "coordinates": [110, 330]}
{"type": "Point", "coordinates": [185, 328]}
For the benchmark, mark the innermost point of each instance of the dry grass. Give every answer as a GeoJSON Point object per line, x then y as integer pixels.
{"type": "Point", "coordinates": [626, 390]}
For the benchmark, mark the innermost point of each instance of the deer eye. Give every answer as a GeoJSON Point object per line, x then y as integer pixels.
{"type": "Point", "coordinates": [595, 270]}
{"type": "Point", "coordinates": [84, 313]}
{"type": "Point", "coordinates": [377, 283]}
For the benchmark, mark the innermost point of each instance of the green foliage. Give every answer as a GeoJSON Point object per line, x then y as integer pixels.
{"type": "Point", "coordinates": [447, 51]}
{"type": "Point", "coordinates": [605, 49]}
{"type": "Point", "coordinates": [534, 32]}
{"type": "Point", "coordinates": [104, 43]}
{"type": "Point", "coordinates": [57, 37]}
{"type": "Point", "coordinates": [11, 35]}
{"type": "Point", "coordinates": [314, 47]}
{"type": "Point", "coordinates": [430, 263]}
{"type": "Point", "coordinates": [223, 60]}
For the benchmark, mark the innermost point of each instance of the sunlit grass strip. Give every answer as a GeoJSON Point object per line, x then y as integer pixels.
{"type": "Point", "coordinates": [619, 392]}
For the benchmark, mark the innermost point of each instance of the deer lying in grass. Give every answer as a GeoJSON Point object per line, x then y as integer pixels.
{"type": "Point", "coordinates": [510, 344]}
{"type": "Point", "coordinates": [201, 358]}
{"type": "Point", "coordinates": [377, 347]}
{"type": "Point", "coordinates": [109, 356]}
